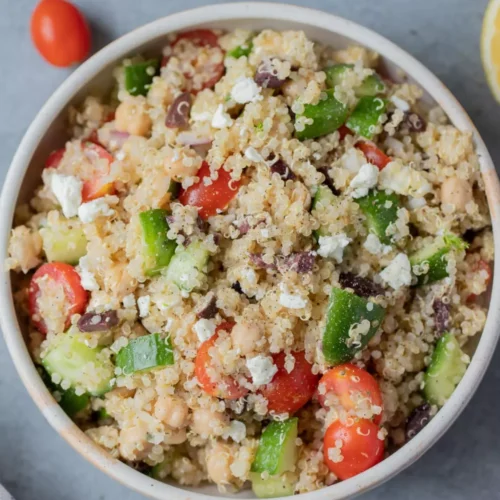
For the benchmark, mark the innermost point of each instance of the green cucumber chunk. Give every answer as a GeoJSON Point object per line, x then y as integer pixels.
{"type": "Point", "coordinates": [372, 85]}
{"type": "Point", "coordinates": [380, 210]}
{"type": "Point", "coordinates": [88, 368]}
{"type": "Point", "coordinates": [145, 353]}
{"type": "Point", "coordinates": [273, 486]}
{"type": "Point", "coordinates": [158, 250]}
{"type": "Point", "coordinates": [242, 50]}
{"type": "Point", "coordinates": [323, 197]}
{"type": "Point", "coordinates": [138, 76]}
{"type": "Point", "coordinates": [446, 369]}
{"type": "Point", "coordinates": [174, 190]}
{"type": "Point", "coordinates": [433, 258]}
{"type": "Point", "coordinates": [328, 115]}
{"type": "Point", "coordinates": [366, 116]}
{"type": "Point", "coordinates": [187, 267]}
{"type": "Point", "coordinates": [277, 451]}
{"type": "Point", "coordinates": [66, 243]}
{"type": "Point", "coordinates": [346, 313]}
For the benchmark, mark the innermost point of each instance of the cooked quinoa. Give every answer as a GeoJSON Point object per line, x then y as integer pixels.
{"type": "Point", "coordinates": [256, 244]}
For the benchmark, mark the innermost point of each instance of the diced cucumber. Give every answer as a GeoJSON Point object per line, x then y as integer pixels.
{"type": "Point", "coordinates": [351, 321]}
{"type": "Point", "coordinates": [174, 189]}
{"type": "Point", "coordinates": [158, 250]}
{"type": "Point", "coordinates": [145, 353]}
{"type": "Point", "coordinates": [372, 85]}
{"type": "Point", "coordinates": [366, 116]}
{"type": "Point", "coordinates": [72, 403]}
{"type": "Point", "coordinates": [445, 371]}
{"type": "Point", "coordinates": [273, 486]}
{"type": "Point", "coordinates": [66, 243]}
{"type": "Point", "coordinates": [323, 198]}
{"type": "Point", "coordinates": [242, 50]}
{"type": "Point", "coordinates": [88, 368]}
{"type": "Point", "coordinates": [380, 210]}
{"type": "Point", "coordinates": [138, 76]}
{"type": "Point", "coordinates": [187, 267]}
{"type": "Point", "coordinates": [277, 451]}
{"type": "Point", "coordinates": [433, 258]}
{"type": "Point", "coordinates": [327, 116]}
{"type": "Point", "coordinates": [102, 414]}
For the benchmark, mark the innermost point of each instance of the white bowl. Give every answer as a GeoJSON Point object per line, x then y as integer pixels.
{"type": "Point", "coordinates": [47, 131]}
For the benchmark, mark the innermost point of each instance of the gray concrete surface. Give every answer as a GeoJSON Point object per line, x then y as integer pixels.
{"type": "Point", "coordinates": [35, 463]}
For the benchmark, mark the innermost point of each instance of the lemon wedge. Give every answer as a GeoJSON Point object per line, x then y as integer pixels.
{"type": "Point", "coordinates": [490, 46]}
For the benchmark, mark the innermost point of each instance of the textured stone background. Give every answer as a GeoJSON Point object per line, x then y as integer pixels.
{"type": "Point", "coordinates": [35, 463]}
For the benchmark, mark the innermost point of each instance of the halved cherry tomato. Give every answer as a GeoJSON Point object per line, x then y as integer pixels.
{"type": "Point", "coordinates": [373, 154]}
{"type": "Point", "coordinates": [481, 265]}
{"type": "Point", "coordinates": [54, 159]}
{"type": "Point", "coordinates": [213, 198]}
{"type": "Point", "coordinates": [60, 32]}
{"type": "Point", "coordinates": [360, 447]}
{"type": "Point", "coordinates": [97, 184]}
{"type": "Point", "coordinates": [289, 392]}
{"type": "Point", "coordinates": [344, 131]}
{"type": "Point", "coordinates": [350, 384]}
{"type": "Point", "coordinates": [227, 388]}
{"type": "Point", "coordinates": [210, 72]}
{"type": "Point", "coordinates": [61, 274]}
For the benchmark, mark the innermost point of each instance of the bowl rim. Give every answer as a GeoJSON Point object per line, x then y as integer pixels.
{"type": "Point", "coordinates": [204, 16]}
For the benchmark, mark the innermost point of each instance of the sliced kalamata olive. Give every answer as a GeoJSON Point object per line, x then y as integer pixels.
{"type": "Point", "coordinates": [282, 169]}
{"type": "Point", "coordinates": [418, 419]}
{"type": "Point", "coordinates": [300, 262]}
{"type": "Point", "coordinates": [363, 287]}
{"type": "Point", "coordinates": [328, 180]}
{"type": "Point", "coordinates": [266, 76]}
{"type": "Point", "coordinates": [441, 316]}
{"type": "Point", "coordinates": [178, 113]}
{"type": "Point", "coordinates": [415, 122]}
{"type": "Point", "coordinates": [257, 260]}
{"type": "Point", "coordinates": [207, 309]}
{"type": "Point", "coordinates": [237, 287]}
{"type": "Point", "coordinates": [98, 322]}
{"type": "Point", "coordinates": [202, 225]}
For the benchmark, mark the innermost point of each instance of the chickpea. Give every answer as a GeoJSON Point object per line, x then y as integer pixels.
{"type": "Point", "coordinates": [133, 444]}
{"type": "Point", "coordinates": [218, 463]}
{"type": "Point", "coordinates": [456, 192]}
{"type": "Point", "coordinates": [131, 117]}
{"type": "Point", "coordinates": [172, 411]}
{"type": "Point", "coordinates": [181, 162]}
{"type": "Point", "coordinates": [244, 336]}
{"type": "Point", "coordinates": [208, 423]}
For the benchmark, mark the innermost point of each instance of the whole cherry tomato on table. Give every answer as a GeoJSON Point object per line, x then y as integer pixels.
{"type": "Point", "coordinates": [60, 32]}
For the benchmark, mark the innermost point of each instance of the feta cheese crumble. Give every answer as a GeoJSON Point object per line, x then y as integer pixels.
{"type": "Point", "coordinates": [204, 329]}
{"type": "Point", "coordinates": [236, 430]}
{"type": "Point", "coordinates": [245, 90]}
{"type": "Point", "coordinates": [87, 277]}
{"type": "Point", "coordinates": [332, 247]}
{"type": "Point", "coordinates": [221, 119]}
{"type": "Point", "coordinates": [129, 300]}
{"type": "Point", "coordinates": [400, 103]}
{"type": "Point", "coordinates": [403, 180]}
{"type": "Point", "coordinates": [88, 212]}
{"type": "Point", "coordinates": [415, 203]}
{"type": "Point", "coordinates": [144, 303]}
{"type": "Point", "coordinates": [398, 272]}
{"type": "Point", "coordinates": [373, 245]}
{"type": "Point", "coordinates": [253, 155]}
{"type": "Point", "coordinates": [365, 179]}
{"type": "Point", "coordinates": [262, 369]}
{"type": "Point", "coordinates": [68, 191]}
{"type": "Point", "coordinates": [291, 301]}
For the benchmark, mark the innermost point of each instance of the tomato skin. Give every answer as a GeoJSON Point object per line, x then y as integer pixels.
{"type": "Point", "coordinates": [361, 448]}
{"type": "Point", "coordinates": [98, 185]}
{"type": "Point", "coordinates": [373, 154]}
{"type": "Point", "coordinates": [343, 379]}
{"type": "Point", "coordinates": [232, 390]}
{"type": "Point", "coordinates": [344, 131]}
{"type": "Point", "coordinates": [481, 265]}
{"type": "Point", "coordinates": [55, 158]}
{"type": "Point", "coordinates": [60, 32]}
{"type": "Point", "coordinates": [289, 392]}
{"type": "Point", "coordinates": [210, 199]}
{"type": "Point", "coordinates": [65, 275]}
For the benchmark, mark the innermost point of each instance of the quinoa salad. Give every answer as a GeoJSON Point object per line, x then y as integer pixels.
{"type": "Point", "coordinates": [255, 263]}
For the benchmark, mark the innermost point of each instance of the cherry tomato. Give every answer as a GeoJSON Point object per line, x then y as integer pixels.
{"type": "Point", "coordinates": [213, 198]}
{"type": "Point", "coordinates": [360, 449]}
{"type": "Point", "coordinates": [350, 384]}
{"type": "Point", "coordinates": [54, 159]}
{"type": "Point", "coordinates": [344, 131]}
{"type": "Point", "coordinates": [373, 154]}
{"type": "Point", "coordinates": [97, 184]}
{"type": "Point", "coordinates": [60, 32]}
{"type": "Point", "coordinates": [61, 274]}
{"type": "Point", "coordinates": [228, 388]}
{"type": "Point", "coordinates": [289, 392]}
{"type": "Point", "coordinates": [207, 73]}
{"type": "Point", "coordinates": [480, 266]}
